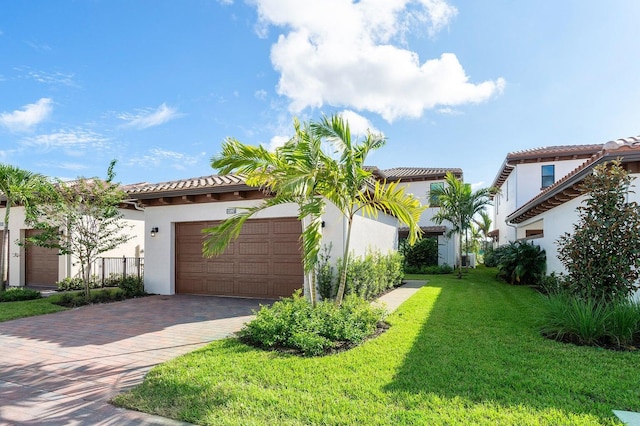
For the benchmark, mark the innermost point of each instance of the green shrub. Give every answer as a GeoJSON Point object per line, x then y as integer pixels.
{"type": "Point", "coordinates": [551, 284]}
{"type": "Point", "coordinates": [325, 276]}
{"type": "Point", "coordinates": [521, 262]}
{"type": "Point", "coordinates": [15, 294]}
{"type": "Point", "coordinates": [422, 254]}
{"type": "Point", "coordinates": [611, 323]}
{"type": "Point", "coordinates": [294, 324]}
{"type": "Point", "coordinates": [492, 256]}
{"type": "Point", "coordinates": [71, 284]}
{"type": "Point", "coordinates": [430, 270]}
{"type": "Point", "coordinates": [132, 286]}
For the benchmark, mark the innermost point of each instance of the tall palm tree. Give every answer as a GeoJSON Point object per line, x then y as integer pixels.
{"type": "Point", "coordinates": [302, 172]}
{"type": "Point", "coordinates": [18, 187]}
{"type": "Point", "coordinates": [458, 206]}
{"type": "Point", "coordinates": [484, 226]}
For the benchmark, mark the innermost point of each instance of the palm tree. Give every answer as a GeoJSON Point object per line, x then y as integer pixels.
{"type": "Point", "coordinates": [484, 226]}
{"type": "Point", "coordinates": [458, 206]}
{"type": "Point", "coordinates": [18, 187]}
{"type": "Point", "coordinates": [301, 172]}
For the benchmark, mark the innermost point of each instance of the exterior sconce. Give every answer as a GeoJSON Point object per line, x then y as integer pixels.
{"type": "Point", "coordinates": [154, 231]}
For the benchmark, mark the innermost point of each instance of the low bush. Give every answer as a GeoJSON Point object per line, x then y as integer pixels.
{"type": "Point", "coordinates": [293, 324]}
{"type": "Point", "coordinates": [521, 262]}
{"type": "Point", "coordinates": [367, 277]}
{"type": "Point", "coordinates": [71, 284]}
{"type": "Point", "coordinates": [614, 324]}
{"type": "Point", "coordinates": [132, 286]}
{"type": "Point", "coordinates": [16, 294]}
{"type": "Point", "coordinates": [429, 270]}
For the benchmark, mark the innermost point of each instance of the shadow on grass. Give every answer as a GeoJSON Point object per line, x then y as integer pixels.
{"type": "Point", "coordinates": [481, 343]}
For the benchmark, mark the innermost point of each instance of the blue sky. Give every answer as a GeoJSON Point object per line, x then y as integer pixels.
{"type": "Point", "coordinates": [158, 85]}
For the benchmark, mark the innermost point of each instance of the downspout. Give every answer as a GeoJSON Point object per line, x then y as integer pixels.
{"type": "Point", "coordinates": [135, 203]}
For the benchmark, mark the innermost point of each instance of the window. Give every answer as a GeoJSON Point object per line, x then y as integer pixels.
{"type": "Point", "coordinates": [433, 199]}
{"type": "Point", "coordinates": [548, 175]}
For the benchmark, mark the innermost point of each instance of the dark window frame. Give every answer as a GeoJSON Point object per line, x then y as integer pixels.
{"type": "Point", "coordinates": [548, 175]}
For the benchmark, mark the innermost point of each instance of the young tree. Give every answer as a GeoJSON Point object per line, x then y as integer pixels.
{"type": "Point", "coordinates": [303, 173]}
{"type": "Point", "coordinates": [87, 212]}
{"type": "Point", "coordinates": [602, 256]}
{"type": "Point", "coordinates": [18, 187]}
{"type": "Point", "coordinates": [458, 206]}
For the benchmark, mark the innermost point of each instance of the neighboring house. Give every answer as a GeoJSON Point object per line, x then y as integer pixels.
{"type": "Point", "coordinates": [420, 181]}
{"type": "Point", "coordinates": [553, 211]}
{"type": "Point", "coordinates": [265, 261]}
{"type": "Point", "coordinates": [38, 266]}
{"type": "Point", "coordinates": [525, 174]}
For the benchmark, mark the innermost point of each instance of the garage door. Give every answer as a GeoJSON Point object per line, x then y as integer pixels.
{"type": "Point", "coordinates": [41, 264]}
{"type": "Point", "coordinates": [264, 261]}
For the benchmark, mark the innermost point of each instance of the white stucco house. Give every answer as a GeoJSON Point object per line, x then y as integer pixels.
{"type": "Point", "coordinates": [548, 213]}
{"type": "Point", "coordinates": [420, 181]}
{"type": "Point", "coordinates": [37, 266]}
{"type": "Point", "coordinates": [265, 261]}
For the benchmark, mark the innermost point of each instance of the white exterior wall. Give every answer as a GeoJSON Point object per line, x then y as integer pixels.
{"type": "Point", "coordinates": [67, 266]}
{"type": "Point", "coordinates": [159, 276]}
{"type": "Point", "coordinates": [521, 186]}
{"type": "Point", "coordinates": [559, 220]}
{"type": "Point", "coordinates": [447, 247]}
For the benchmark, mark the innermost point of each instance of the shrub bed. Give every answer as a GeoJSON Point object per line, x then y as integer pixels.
{"type": "Point", "coordinates": [128, 287]}
{"type": "Point", "coordinates": [17, 294]}
{"type": "Point", "coordinates": [294, 325]}
{"type": "Point", "coordinates": [611, 324]}
{"type": "Point", "coordinates": [367, 277]}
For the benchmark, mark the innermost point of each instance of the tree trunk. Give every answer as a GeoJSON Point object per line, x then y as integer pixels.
{"type": "Point", "coordinates": [460, 250]}
{"type": "Point", "coordinates": [4, 256]}
{"type": "Point", "coordinates": [345, 264]}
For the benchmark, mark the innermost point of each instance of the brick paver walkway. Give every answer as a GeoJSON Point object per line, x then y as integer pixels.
{"type": "Point", "coordinates": [62, 368]}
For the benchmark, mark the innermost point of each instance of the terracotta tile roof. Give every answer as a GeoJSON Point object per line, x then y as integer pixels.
{"type": "Point", "coordinates": [546, 153]}
{"type": "Point", "coordinates": [568, 187]}
{"type": "Point", "coordinates": [191, 185]}
{"type": "Point", "coordinates": [400, 173]}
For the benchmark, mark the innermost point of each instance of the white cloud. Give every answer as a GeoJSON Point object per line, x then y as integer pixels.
{"type": "Point", "coordinates": [277, 141]}
{"type": "Point", "coordinates": [158, 156]}
{"type": "Point", "coordinates": [27, 117]}
{"type": "Point", "coordinates": [74, 141]}
{"type": "Point", "coordinates": [53, 78]}
{"type": "Point", "coordinates": [346, 53]}
{"type": "Point", "coordinates": [149, 118]}
{"type": "Point", "coordinates": [260, 94]}
{"type": "Point", "coordinates": [477, 185]}
{"type": "Point", "coordinates": [358, 125]}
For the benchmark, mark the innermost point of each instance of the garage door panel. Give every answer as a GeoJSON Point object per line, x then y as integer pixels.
{"type": "Point", "coordinates": [249, 287]}
{"type": "Point", "coordinates": [41, 265]}
{"type": "Point", "coordinates": [264, 261]}
{"type": "Point", "coordinates": [219, 267]}
{"type": "Point", "coordinates": [258, 248]}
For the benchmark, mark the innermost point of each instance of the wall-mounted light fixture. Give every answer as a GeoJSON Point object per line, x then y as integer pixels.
{"type": "Point", "coordinates": [154, 231]}
{"type": "Point", "coordinates": [323, 224]}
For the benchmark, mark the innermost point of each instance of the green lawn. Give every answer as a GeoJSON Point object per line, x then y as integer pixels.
{"type": "Point", "coordinates": [458, 352]}
{"type": "Point", "coordinates": [29, 308]}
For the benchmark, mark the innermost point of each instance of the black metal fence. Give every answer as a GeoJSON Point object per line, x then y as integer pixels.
{"type": "Point", "coordinates": [106, 268]}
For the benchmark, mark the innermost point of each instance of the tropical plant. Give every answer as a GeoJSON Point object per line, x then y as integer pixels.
{"type": "Point", "coordinates": [87, 211]}
{"type": "Point", "coordinates": [483, 222]}
{"type": "Point", "coordinates": [602, 256]}
{"type": "Point", "coordinates": [421, 254]}
{"type": "Point", "coordinates": [458, 205]}
{"type": "Point", "coordinates": [301, 172]}
{"type": "Point", "coordinates": [520, 262]}
{"type": "Point", "coordinates": [18, 187]}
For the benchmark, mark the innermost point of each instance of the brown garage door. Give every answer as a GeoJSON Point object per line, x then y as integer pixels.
{"type": "Point", "coordinates": [264, 261]}
{"type": "Point", "coordinates": [41, 264]}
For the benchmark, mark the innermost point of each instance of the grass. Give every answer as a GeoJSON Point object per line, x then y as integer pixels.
{"type": "Point", "coordinates": [45, 305]}
{"type": "Point", "coordinates": [29, 308]}
{"type": "Point", "coordinates": [458, 352]}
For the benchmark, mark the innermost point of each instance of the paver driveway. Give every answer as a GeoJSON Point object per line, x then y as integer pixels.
{"type": "Point", "coordinates": [62, 368]}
